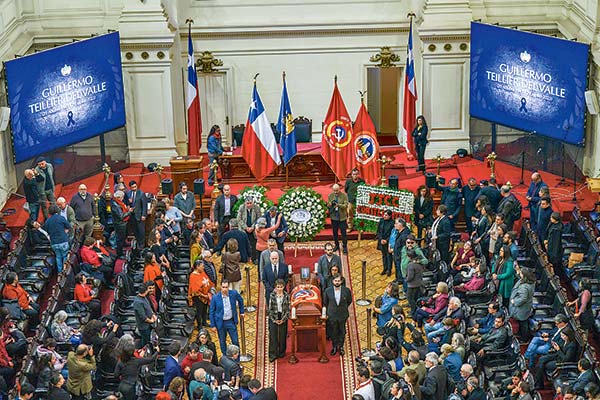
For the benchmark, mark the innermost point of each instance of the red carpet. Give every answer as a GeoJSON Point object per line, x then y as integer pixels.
{"type": "Point", "coordinates": [318, 381]}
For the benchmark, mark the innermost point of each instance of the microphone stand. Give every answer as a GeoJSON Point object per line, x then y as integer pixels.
{"type": "Point", "coordinates": [562, 181]}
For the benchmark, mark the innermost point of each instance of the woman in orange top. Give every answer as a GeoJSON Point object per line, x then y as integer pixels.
{"type": "Point", "coordinates": [153, 272]}
{"type": "Point", "coordinates": [199, 293]}
{"type": "Point", "coordinates": [263, 233]}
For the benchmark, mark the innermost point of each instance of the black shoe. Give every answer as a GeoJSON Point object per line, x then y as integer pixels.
{"type": "Point", "coordinates": [272, 359]}
{"type": "Point", "coordinates": [342, 352]}
{"type": "Point", "coordinates": [383, 272]}
{"type": "Point", "coordinates": [389, 273]}
{"type": "Point", "coordinates": [333, 351]}
{"type": "Point", "coordinates": [345, 250]}
{"type": "Point", "coordinates": [336, 248]}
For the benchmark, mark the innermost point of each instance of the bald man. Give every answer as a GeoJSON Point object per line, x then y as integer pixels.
{"type": "Point", "coordinates": [337, 203]}
{"type": "Point", "coordinates": [533, 195]}
{"type": "Point", "coordinates": [83, 204]}
{"type": "Point", "coordinates": [32, 194]}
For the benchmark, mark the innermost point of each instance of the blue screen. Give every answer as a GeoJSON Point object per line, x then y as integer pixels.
{"type": "Point", "coordinates": [530, 82]}
{"type": "Point", "coordinates": [65, 95]}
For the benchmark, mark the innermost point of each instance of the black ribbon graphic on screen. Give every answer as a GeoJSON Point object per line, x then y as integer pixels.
{"type": "Point", "coordinates": [523, 105]}
{"type": "Point", "coordinates": [71, 121]}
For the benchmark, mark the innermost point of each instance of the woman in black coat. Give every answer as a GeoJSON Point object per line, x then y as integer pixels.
{"type": "Point", "coordinates": [423, 210]}
{"type": "Point", "coordinates": [419, 135]}
{"type": "Point", "coordinates": [553, 242]}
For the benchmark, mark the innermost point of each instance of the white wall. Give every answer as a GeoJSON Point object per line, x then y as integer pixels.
{"type": "Point", "coordinates": [312, 40]}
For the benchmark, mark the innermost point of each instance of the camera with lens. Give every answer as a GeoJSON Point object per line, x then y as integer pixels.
{"type": "Point", "coordinates": [361, 362]}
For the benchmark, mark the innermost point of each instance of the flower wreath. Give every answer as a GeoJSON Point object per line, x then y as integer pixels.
{"type": "Point", "coordinates": [256, 193]}
{"type": "Point", "coordinates": [304, 210]}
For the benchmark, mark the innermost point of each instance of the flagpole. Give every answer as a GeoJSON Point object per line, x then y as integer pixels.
{"type": "Point", "coordinates": [287, 182]}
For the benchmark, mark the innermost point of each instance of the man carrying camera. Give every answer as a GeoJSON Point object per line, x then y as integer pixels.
{"type": "Point", "coordinates": [337, 203]}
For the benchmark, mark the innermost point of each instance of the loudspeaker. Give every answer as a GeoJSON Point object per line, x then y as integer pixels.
{"type": "Point", "coordinates": [199, 187]}
{"type": "Point", "coordinates": [167, 186]}
{"type": "Point", "coordinates": [4, 118]}
{"type": "Point", "coordinates": [393, 182]}
{"type": "Point", "coordinates": [591, 100]}
{"type": "Point", "coordinates": [462, 153]}
{"type": "Point", "coordinates": [430, 180]}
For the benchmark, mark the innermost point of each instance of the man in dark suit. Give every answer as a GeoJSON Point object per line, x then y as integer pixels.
{"type": "Point", "coordinates": [241, 237]}
{"type": "Point", "coordinates": [224, 314]}
{"type": "Point", "coordinates": [440, 233]}
{"type": "Point", "coordinates": [261, 393]}
{"type": "Point", "coordinates": [273, 271]}
{"type": "Point", "coordinates": [325, 262]}
{"type": "Point", "coordinates": [172, 368]}
{"type": "Point", "coordinates": [280, 233]}
{"type": "Point", "coordinates": [139, 210]}
{"type": "Point", "coordinates": [397, 242]}
{"type": "Point", "coordinates": [384, 230]}
{"type": "Point", "coordinates": [491, 192]}
{"type": "Point", "coordinates": [469, 193]}
{"type": "Point", "coordinates": [337, 299]}
{"type": "Point", "coordinates": [586, 375]}
{"type": "Point", "coordinates": [435, 385]}
{"type": "Point", "coordinates": [494, 340]}
{"type": "Point", "coordinates": [224, 210]}
{"type": "Point", "coordinates": [452, 199]}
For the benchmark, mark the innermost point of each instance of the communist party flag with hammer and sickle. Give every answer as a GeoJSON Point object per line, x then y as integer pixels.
{"type": "Point", "coordinates": [337, 144]}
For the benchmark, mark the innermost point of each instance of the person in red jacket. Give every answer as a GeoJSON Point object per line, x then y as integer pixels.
{"type": "Point", "coordinates": [13, 290]}
{"type": "Point", "coordinates": [84, 294]}
{"type": "Point", "coordinates": [90, 256]}
{"type": "Point", "coordinates": [7, 368]}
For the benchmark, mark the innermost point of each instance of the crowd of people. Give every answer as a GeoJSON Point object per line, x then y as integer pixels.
{"type": "Point", "coordinates": [430, 346]}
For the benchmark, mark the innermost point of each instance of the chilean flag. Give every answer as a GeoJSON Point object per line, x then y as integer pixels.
{"type": "Point", "coordinates": [409, 116]}
{"type": "Point", "coordinates": [192, 103]}
{"type": "Point", "coordinates": [259, 147]}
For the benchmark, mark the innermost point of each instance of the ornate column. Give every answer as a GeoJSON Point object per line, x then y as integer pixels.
{"type": "Point", "coordinates": [146, 43]}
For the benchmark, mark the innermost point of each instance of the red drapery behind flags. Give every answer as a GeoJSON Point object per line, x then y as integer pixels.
{"type": "Point", "coordinates": [409, 115]}
{"type": "Point", "coordinates": [337, 144]}
{"type": "Point", "coordinates": [366, 146]}
{"type": "Point", "coordinates": [192, 100]}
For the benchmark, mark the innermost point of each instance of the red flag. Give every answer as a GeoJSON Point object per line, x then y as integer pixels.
{"type": "Point", "coordinates": [366, 145]}
{"type": "Point", "coordinates": [409, 116]}
{"type": "Point", "coordinates": [337, 146]}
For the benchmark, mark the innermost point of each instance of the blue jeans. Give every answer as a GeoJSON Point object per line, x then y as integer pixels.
{"type": "Point", "coordinates": [61, 250]}
{"type": "Point", "coordinates": [230, 328]}
{"type": "Point", "coordinates": [432, 331]}
{"type": "Point", "coordinates": [537, 347]}
{"type": "Point", "coordinates": [34, 211]}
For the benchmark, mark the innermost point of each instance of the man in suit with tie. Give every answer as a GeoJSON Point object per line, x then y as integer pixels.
{"type": "Point", "coordinates": [273, 271]}
{"type": "Point", "coordinates": [337, 299]}
{"type": "Point", "coordinates": [139, 211]}
{"type": "Point", "coordinates": [280, 233]}
{"type": "Point", "coordinates": [224, 314]}
{"type": "Point", "coordinates": [440, 233]}
{"type": "Point", "coordinates": [224, 210]}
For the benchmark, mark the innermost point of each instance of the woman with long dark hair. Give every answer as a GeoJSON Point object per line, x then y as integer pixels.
{"type": "Point", "coordinates": [503, 272]}
{"type": "Point", "coordinates": [419, 135]}
{"type": "Point", "coordinates": [423, 210]}
{"type": "Point", "coordinates": [583, 305]}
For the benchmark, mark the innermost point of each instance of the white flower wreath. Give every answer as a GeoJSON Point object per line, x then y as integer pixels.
{"type": "Point", "coordinates": [304, 211]}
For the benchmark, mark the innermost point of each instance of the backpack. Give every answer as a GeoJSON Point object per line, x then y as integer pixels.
{"type": "Point", "coordinates": [386, 386]}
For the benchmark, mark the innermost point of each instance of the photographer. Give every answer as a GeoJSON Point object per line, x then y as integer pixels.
{"type": "Point", "coordinates": [337, 203]}
{"type": "Point", "coordinates": [80, 364]}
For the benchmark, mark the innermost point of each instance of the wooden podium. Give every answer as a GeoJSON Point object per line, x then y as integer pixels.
{"type": "Point", "coordinates": [188, 169]}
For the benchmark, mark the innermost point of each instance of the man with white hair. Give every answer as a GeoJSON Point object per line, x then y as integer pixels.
{"type": "Point", "coordinates": [66, 211]}
{"type": "Point", "coordinates": [120, 216]}
{"type": "Point", "coordinates": [466, 372]}
{"type": "Point", "coordinates": [337, 203]}
{"type": "Point", "coordinates": [273, 271]}
{"type": "Point", "coordinates": [265, 256]}
{"type": "Point", "coordinates": [200, 381]}
{"type": "Point", "coordinates": [453, 310]}
{"type": "Point", "coordinates": [83, 205]}
{"type": "Point", "coordinates": [435, 385]}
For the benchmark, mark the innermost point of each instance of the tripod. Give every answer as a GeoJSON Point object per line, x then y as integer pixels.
{"type": "Point", "coordinates": [562, 181]}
